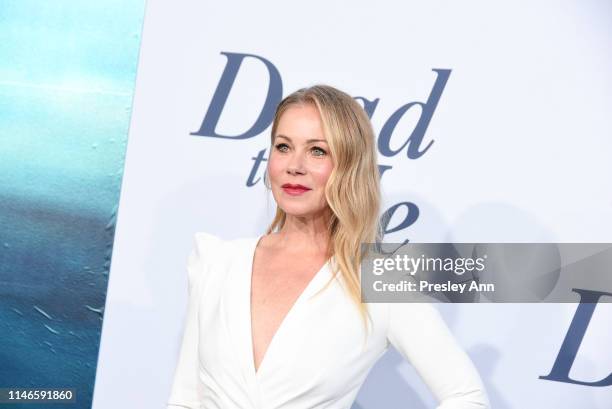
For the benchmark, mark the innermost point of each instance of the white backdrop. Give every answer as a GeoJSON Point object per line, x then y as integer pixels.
{"type": "Point", "coordinates": [521, 152]}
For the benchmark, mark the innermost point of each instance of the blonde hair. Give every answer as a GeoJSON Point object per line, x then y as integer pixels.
{"type": "Point", "coordinates": [353, 188]}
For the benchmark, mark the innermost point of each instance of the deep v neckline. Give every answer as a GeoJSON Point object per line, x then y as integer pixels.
{"type": "Point", "coordinates": [305, 292]}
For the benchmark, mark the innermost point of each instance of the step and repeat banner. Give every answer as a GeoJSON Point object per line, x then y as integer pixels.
{"type": "Point", "coordinates": [492, 126]}
{"type": "Point", "coordinates": [492, 123]}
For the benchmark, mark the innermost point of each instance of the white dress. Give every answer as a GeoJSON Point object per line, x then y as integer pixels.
{"type": "Point", "coordinates": [317, 358]}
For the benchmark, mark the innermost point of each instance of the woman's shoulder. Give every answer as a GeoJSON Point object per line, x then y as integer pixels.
{"type": "Point", "coordinates": [212, 254]}
{"type": "Point", "coordinates": [207, 245]}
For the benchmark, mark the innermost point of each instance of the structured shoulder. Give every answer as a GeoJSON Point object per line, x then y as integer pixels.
{"type": "Point", "coordinates": [207, 249]}
{"type": "Point", "coordinates": [211, 252]}
{"type": "Point", "coordinates": [207, 243]}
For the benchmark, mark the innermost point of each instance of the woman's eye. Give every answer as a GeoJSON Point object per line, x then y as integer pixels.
{"type": "Point", "coordinates": [318, 151]}
{"type": "Point", "coordinates": [281, 147]}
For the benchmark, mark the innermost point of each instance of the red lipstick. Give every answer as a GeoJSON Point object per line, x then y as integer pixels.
{"type": "Point", "coordinates": [295, 190]}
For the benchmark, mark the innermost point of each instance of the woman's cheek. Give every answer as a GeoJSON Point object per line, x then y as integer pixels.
{"type": "Point", "coordinates": [322, 174]}
{"type": "Point", "coordinates": [273, 168]}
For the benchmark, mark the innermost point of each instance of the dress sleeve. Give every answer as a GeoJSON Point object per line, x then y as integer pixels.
{"type": "Point", "coordinates": [186, 390]}
{"type": "Point", "coordinates": [420, 334]}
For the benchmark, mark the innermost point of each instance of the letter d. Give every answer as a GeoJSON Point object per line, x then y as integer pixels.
{"type": "Point", "coordinates": [275, 93]}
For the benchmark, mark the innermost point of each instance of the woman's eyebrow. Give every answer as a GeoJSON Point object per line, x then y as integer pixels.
{"type": "Point", "coordinates": [307, 141]}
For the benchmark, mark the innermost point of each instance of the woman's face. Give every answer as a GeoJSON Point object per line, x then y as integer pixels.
{"type": "Point", "coordinates": [300, 163]}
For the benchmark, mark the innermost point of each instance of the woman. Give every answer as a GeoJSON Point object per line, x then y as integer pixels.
{"type": "Point", "coordinates": [277, 321]}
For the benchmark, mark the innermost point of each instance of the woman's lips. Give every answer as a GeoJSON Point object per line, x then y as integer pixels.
{"type": "Point", "coordinates": [295, 190]}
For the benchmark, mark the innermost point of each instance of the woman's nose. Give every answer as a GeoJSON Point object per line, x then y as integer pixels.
{"type": "Point", "coordinates": [296, 164]}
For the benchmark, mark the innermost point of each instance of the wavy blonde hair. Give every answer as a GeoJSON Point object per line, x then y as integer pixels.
{"type": "Point", "coordinates": [353, 188]}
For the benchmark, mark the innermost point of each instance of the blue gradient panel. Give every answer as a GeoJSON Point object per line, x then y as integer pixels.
{"type": "Point", "coordinates": [67, 75]}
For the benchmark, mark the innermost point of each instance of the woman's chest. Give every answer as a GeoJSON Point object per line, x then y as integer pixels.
{"type": "Point", "coordinates": [321, 336]}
